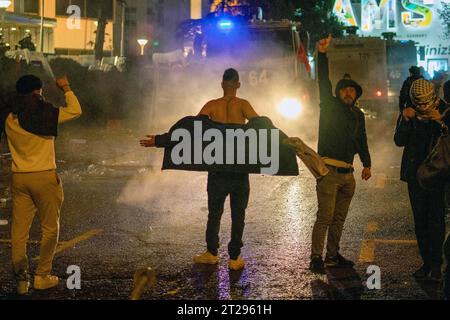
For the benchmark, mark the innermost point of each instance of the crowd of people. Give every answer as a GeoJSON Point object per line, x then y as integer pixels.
{"type": "Point", "coordinates": [31, 125]}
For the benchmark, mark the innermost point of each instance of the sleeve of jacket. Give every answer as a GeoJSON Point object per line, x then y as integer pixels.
{"type": "Point", "coordinates": [72, 110]}
{"type": "Point", "coordinates": [364, 153]}
{"type": "Point", "coordinates": [402, 131]}
{"type": "Point", "coordinates": [325, 90]}
{"type": "Point", "coordinates": [186, 123]}
{"type": "Point", "coordinates": [4, 112]}
{"type": "Point", "coordinates": [403, 96]}
{"type": "Point", "coordinates": [162, 140]}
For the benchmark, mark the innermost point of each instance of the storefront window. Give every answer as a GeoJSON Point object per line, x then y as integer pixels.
{"type": "Point", "coordinates": [61, 7]}
{"type": "Point", "coordinates": [92, 9]}
{"type": "Point", "coordinates": [88, 8]}
{"type": "Point", "coordinates": [31, 6]}
{"type": "Point", "coordinates": [81, 4]}
{"type": "Point", "coordinates": [435, 65]}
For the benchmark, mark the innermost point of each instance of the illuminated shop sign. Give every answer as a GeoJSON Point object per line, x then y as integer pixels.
{"type": "Point", "coordinates": [416, 20]}
{"type": "Point", "coordinates": [380, 14]}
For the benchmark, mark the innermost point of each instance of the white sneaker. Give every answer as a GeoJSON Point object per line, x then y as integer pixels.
{"type": "Point", "coordinates": [23, 287]}
{"type": "Point", "coordinates": [45, 282]}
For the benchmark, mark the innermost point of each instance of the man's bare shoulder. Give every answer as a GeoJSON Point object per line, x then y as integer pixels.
{"type": "Point", "coordinates": [213, 102]}
{"type": "Point", "coordinates": [243, 102]}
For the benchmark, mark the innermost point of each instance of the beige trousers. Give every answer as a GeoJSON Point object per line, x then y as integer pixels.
{"type": "Point", "coordinates": [334, 195]}
{"type": "Point", "coordinates": [40, 192]}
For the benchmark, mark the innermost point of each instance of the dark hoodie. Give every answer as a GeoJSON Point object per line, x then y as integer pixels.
{"type": "Point", "coordinates": [35, 115]}
{"type": "Point", "coordinates": [418, 139]}
{"type": "Point", "coordinates": [342, 129]}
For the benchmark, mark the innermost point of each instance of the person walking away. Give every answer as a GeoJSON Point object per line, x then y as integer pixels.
{"type": "Point", "coordinates": [31, 128]}
{"type": "Point", "coordinates": [232, 110]}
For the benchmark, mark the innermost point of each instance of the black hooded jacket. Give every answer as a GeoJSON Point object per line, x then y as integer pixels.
{"type": "Point", "coordinates": [418, 139]}
{"type": "Point", "coordinates": [342, 129]}
{"type": "Point", "coordinates": [287, 157]}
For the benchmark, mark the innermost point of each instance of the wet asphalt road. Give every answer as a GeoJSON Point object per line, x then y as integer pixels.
{"type": "Point", "coordinates": [122, 214]}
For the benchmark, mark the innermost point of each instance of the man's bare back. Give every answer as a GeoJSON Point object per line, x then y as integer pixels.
{"type": "Point", "coordinates": [231, 110]}
{"type": "Point", "coordinates": [228, 109]}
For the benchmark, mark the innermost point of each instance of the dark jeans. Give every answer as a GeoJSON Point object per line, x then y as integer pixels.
{"type": "Point", "coordinates": [429, 219]}
{"type": "Point", "coordinates": [220, 185]}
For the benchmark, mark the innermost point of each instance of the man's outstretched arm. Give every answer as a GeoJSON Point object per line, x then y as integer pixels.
{"type": "Point", "coordinates": [163, 140]}
{"type": "Point", "coordinates": [326, 93]}
{"type": "Point", "coordinates": [150, 142]}
{"type": "Point", "coordinates": [157, 141]}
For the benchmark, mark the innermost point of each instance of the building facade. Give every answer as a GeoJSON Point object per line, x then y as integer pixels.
{"type": "Point", "coordinates": [154, 20]}
{"type": "Point", "coordinates": [69, 25]}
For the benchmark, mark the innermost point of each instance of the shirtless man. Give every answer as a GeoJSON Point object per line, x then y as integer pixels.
{"type": "Point", "coordinates": [233, 110]}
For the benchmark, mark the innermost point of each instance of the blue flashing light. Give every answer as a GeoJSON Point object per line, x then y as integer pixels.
{"type": "Point", "coordinates": [225, 24]}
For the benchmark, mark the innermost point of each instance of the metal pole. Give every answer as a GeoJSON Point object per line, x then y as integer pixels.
{"type": "Point", "coordinates": [295, 48]}
{"type": "Point", "coordinates": [41, 45]}
{"type": "Point", "coordinates": [122, 34]}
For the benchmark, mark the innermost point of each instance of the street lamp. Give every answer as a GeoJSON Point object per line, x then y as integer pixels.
{"type": "Point", "coordinates": [142, 44]}
{"type": "Point", "coordinates": [41, 34]}
{"type": "Point", "coordinates": [122, 26]}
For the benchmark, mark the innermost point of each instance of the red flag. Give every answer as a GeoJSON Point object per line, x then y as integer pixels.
{"type": "Point", "coordinates": [303, 57]}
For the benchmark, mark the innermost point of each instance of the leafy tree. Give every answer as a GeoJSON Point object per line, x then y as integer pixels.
{"type": "Point", "coordinates": [315, 16]}
{"type": "Point", "coordinates": [101, 7]}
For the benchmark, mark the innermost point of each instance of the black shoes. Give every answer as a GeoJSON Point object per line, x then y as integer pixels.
{"type": "Point", "coordinates": [316, 265]}
{"type": "Point", "coordinates": [427, 273]}
{"type": "Point", "coordinates": [436, 275]}
{"type": "Point", "coordinates": [422, 273]}
{"type": "Point", "coordinates": [338, 261]}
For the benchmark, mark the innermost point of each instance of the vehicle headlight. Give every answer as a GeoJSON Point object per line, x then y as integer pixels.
{"type": "Point", "coordinates": [290, 108]}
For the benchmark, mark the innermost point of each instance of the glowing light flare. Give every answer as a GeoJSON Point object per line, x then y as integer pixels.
{"type": "Point", "coordinates": [379, 93]}
{"type": "Point", "coordinates": [5, 4]}
{"type": "Point", "coordinates": [225, 24]}
{"type": "Point", "coordinates": [290, 108]}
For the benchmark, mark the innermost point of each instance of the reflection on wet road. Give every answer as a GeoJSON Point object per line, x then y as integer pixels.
{"type": "Point", "coordinates": [157, 219]}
